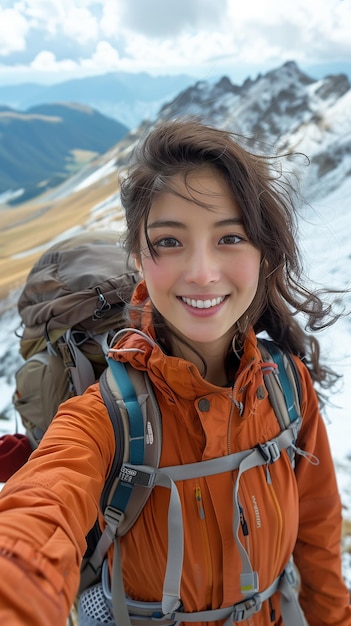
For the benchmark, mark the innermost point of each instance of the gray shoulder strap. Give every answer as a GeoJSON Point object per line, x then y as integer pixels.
{"type": "Point", "coordinates": [152, 438]}
{"type": "Point", "coordinates": [120, 521]}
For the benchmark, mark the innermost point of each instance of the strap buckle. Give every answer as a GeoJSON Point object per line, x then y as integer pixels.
{"type": "Point", "coordinates": [270, 451]}
{"type": "Point", "coordinates": [290, 574]}
{"type": "Point", "coordinates": [114, 518]}
{"type": "Point", "coordinates": [246, 609]}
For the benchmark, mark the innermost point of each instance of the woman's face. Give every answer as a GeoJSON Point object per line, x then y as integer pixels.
{"type": "Point", "coordinates": [206, 273]}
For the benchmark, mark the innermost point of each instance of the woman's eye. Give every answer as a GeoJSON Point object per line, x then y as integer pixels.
{"type": "Point", "coordinates": [230, 239]}
{"type": "Point", "coordinates": [167, 242]}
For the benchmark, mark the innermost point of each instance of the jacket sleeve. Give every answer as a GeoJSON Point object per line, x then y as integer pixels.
{"type": "Point", "coordinates": [323, 593]}
{"type": "Point", "coordinates": [47, 509]}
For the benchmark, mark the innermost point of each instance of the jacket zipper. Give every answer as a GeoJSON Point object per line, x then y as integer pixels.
{"type": "Point", "coordinates": [245, 532]}
{"type": "Point", "coordinates": [235, 403]}
{"type": "Point", "coordinates": [276, 505]}
{"type": "Point", "coordinates": [273, 504]}
{"type": "Point", "coordinates": [244, 528]}
{"type": "Point", "coordinates": [206, 545]}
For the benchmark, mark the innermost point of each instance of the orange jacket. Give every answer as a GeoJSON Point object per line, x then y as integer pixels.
{"type": "Point", "coordinates": [48, 507]}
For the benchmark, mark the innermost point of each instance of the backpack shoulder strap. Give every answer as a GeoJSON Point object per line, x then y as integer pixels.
{"type": "Point", "coordinates": [136, 420]}
{"type": "Point", "coordinates": [282, 382]}
{"type": "Point", "coordinates": [130, 390]}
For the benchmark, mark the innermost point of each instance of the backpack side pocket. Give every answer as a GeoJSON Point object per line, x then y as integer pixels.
{"type": "Point", "coordinates": [41, 385]}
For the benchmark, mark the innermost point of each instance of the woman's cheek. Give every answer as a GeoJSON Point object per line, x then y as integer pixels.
{"type": "Point", "coordinates": [158, 270]}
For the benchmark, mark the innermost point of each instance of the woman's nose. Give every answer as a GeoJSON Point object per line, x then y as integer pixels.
{"type": "Point", "coordinates": [202, 268]}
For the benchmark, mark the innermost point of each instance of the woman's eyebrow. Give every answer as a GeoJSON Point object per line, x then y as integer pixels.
{"type": "Point", "coordinates": [166, 223]}
{"type": "Point", "coordinates": [230, 221]}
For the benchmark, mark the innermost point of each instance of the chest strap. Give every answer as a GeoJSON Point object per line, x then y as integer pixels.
{"type": "Point", "coordinates": [149, 613]}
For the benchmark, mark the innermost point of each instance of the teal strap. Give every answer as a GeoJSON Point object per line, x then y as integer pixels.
{"type": "Point", "coordinates": [286, 386]}
{"type": "Point", "coordinates": [136, 423]}
{"type": "Point", "coordinates": [124, 489]}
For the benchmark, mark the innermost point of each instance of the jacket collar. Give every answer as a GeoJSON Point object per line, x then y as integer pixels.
{"type": "Point", "coordinates": [175, 374]}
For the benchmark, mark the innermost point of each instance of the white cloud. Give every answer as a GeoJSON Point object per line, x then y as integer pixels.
{"type": "Point", "coordinates": [105, 56]}
{"type": "Point", "coordinates": [178, 35]}
{"type": "Point", "coordinates": [159, 19]}
{"type": "Point", "coordinates": [46, 61]}
{"type": "Point", "coordinates": [74, 19]}
{"type": "Point", "coordinates": [46, 15]}
{"type": "Point", "coordinates": [110, 22]}
{"type": "Point", "coordinates": [81, 25]}
{"type": "Point", "coordinates": [314, 30]}
{"type": "Point", "coordinates": [45, 64]}
{"type": "Point", "coordinates": [13, 31]}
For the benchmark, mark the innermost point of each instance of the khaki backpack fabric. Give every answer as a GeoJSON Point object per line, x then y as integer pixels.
{"type": "Point", "coordinates": [71, 305]}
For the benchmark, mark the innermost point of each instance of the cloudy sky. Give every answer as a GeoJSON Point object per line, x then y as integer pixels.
{"type": "Point", "coordinates": [54, 40]}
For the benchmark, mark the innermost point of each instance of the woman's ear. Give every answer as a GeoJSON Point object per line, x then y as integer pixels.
{"type": "Point", "coordinates": [264, 264]}
{"type": "Point", "coordinates": [138, 265]}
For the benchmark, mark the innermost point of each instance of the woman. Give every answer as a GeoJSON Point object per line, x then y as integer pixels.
{"type": "Point", "coordinates": [212, 235]}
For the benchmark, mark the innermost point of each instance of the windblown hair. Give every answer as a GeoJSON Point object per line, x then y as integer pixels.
{"type": "Point", "coordinates": [268, 206]}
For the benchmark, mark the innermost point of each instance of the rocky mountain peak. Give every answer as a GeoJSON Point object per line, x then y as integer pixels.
{"type": "Point", "coordinates": [284, 108]}
{"type": "Point", "coordinates": [333, 87]}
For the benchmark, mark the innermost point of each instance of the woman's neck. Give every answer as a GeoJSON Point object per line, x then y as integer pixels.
{"type": "Point", "coordinates": [209, 357]}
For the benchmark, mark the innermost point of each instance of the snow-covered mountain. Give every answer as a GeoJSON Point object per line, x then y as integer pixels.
{"type": "Point", "coordinates": [284, 108]}
{"type": "Point", "coordinates": [281, 111]}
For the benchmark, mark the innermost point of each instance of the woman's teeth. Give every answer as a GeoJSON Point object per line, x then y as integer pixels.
{"type": "Point", "coordinates": [203, 304]}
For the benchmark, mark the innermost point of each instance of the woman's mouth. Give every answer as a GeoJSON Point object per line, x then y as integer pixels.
{"type": "Point", "coordinates": [203, 304]}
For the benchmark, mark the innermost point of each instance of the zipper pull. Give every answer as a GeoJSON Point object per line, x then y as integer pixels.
{"type": "Point", "coordinates": [102, 306]}
{"type": "Point", "coordinates": [243, 522]}
{"type": "Point", "coordinates": [199, 503]}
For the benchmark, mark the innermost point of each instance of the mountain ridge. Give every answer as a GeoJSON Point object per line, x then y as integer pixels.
{"type": "Point", "coordinates": [41, 146]}
{"type": "Point", "coordinates": [282, 112]}
{"type": "Point", "coordinates": [122, 96]}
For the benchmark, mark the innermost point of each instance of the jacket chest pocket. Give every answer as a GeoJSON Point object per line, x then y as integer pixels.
{"type": "Point", "coordinates": [268, 505]}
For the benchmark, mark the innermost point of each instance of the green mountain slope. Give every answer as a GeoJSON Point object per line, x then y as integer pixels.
{"type": "Point", "coordinates": [44, 144]}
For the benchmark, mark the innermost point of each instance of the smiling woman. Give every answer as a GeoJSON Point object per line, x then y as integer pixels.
{"type": "Point", "coordinates": [212, 233]}
{"type": "Point", "coordinates": [205, 272]}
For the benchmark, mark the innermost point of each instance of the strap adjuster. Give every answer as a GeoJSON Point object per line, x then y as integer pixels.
{"type": "Point", "coordinates": [270, 451]}
{"type": "Point", "coordinates": [246, 609]}
{"type": "Point", "coordinates": [114, 517]}
{"type": "Point", "coordinates": [290, 574]}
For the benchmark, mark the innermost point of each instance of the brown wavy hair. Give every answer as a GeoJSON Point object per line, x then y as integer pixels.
{"type": "Point", "coordinates": [267, 202]}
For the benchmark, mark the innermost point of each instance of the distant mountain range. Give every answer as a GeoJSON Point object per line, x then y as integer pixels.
{"type": "Point", "coordinates": [282, 111]}
{"type": "Point", "coordinates": [128, 98]}
{"type": "Point", "coordinates": [45, 144]}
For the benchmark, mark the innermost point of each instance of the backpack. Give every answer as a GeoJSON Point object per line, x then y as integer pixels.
{"type": "Point", "coordinates": [71, 307]}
